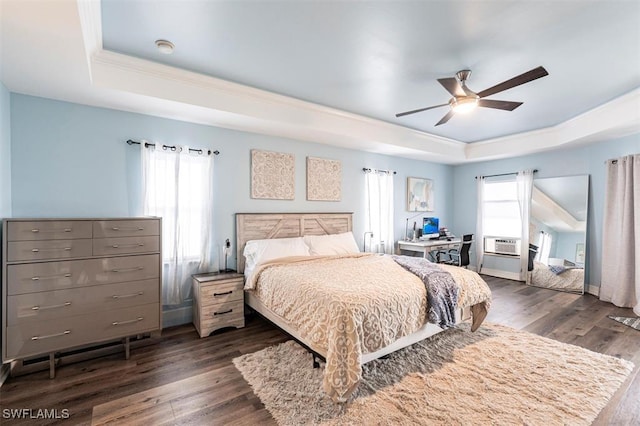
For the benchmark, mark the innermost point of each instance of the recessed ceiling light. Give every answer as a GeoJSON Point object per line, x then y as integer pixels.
{"type": "Point", "coordinates": [165, 46]}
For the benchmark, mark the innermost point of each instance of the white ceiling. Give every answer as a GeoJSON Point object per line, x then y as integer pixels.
{"type": "Point", "coordinates": [337, 72]}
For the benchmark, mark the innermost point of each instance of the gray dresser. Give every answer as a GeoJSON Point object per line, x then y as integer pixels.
{"type": "Point", "coordinates": [73, 282]}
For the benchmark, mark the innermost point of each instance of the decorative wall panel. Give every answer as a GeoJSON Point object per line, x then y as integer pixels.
{"type": "Point", "coordinates": [324, 179]}
{"type": "Point", "coordinates": [272, 175]}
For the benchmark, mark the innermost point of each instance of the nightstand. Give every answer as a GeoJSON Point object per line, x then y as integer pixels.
{"type": "Point", "coordinates": [218, 301]}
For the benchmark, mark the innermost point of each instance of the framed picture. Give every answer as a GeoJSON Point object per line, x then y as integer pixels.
{"type": "Point", "coordinates": [419, 195]}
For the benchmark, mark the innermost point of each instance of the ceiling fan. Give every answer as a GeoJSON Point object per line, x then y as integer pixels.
{"type": "Point", "coordinates": [464, 99]}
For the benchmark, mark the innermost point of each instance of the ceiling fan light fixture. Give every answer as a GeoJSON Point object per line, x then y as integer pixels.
{"type": "Point", "coordinates": [463, 105]}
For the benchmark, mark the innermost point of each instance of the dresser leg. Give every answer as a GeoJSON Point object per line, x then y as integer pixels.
{"type": "Point", "coordinates": [52, 365]}
{"type": "Point", "coordinates": [126, 347]}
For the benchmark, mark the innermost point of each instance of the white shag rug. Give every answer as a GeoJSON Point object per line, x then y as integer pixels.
{"type": "Point", "coordinates": [497, 375]}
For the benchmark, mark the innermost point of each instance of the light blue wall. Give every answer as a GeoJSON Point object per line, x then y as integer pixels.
{"type": "Point", "coordinates": [568, 162]}
{"type": "Point", "coordinates": [5, 152]}
{"type": "Point", "coordinates": [71, 160]}
{"type": "Point", "coordinates": [566, 245]}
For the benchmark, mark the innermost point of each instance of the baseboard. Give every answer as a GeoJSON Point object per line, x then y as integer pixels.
{"type": "Point", "coordinates": [177, 316]}
{"type": "Point", "coordinates": [4, 373]}
{"type": "Point", "coordinates": [593, 289]}
{"type": "Point", "coordinates": [515, 276]}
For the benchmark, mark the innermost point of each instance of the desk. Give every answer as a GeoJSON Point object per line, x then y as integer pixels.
{"type": "Point", "coordinates": [428, 246]}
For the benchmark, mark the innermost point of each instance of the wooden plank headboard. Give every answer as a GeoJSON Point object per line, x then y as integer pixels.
{"type": "Point", "coordinates": [262, 226]}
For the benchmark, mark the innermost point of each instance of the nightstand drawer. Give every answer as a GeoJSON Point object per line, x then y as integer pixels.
{"type": "Point", "coordinates": [221, 293]}
{"type": "Point", "coordinates": [219, 316]}
{"type": "Point", "coordinates": [48, 230]}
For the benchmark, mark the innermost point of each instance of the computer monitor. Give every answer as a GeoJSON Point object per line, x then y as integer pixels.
{"type": "Point", "coordinates": [430, 227]}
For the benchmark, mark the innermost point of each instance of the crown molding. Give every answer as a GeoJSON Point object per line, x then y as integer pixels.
{"type": "Point", "coordinates": [176, 93]}
{"type": "Point", "coordinates": [617, 118]}
{"type": "Point", "coordinates": [237, 106]}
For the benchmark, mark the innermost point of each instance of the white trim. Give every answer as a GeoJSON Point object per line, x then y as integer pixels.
{"type": "Point", "coordinates": [594, 290]}
{"type": "Point", "coordinates": [515, 276]}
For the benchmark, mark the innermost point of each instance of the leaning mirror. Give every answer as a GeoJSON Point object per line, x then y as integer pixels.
{"type": "Point", "coordinates": [557, 233]}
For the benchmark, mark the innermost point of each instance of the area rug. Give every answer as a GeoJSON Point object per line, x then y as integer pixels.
{"type": "Point", "coordinates": [633, 322]}
{"type": "Point", "coordinates": [496, 375]}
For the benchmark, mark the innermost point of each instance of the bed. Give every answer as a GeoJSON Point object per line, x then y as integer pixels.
{"type": "Point", "coordinates": [348, 308]}
{"type": "Point", "coordinates": [561, 278]}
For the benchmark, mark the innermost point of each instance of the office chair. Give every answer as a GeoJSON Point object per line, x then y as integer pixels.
{"type": "Point", "coordinates": [533, 251]}
{"type": "Point", "coordinates": [460, 257]}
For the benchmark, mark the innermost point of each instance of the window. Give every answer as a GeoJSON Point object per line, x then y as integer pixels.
{"type": "Point", "coordinates": [379, 190]}
{"type": "Point", "coordinates": [178, 187]}
{"type": "Point", "coordinates": [501, 211]}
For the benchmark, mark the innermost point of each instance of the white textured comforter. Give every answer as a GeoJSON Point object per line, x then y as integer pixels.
{"type": "Point", "coordinates": [351, 305]}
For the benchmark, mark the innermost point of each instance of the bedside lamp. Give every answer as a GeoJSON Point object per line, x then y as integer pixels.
{"type": "Point", "coordinates": [227, 252]}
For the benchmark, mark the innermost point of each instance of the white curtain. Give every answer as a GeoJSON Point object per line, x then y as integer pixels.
{"type": "Point", "coordinates": [544, 247]}
{"type": "Point", "coordinates": [479, 224]}
{"type": "Point", "coordinates": [620, 282]}
{"type": "Point", "coordinates": [178, 186]}
{"type": "Point", "coordinates": [379, 187]}
{"type": "Point", "coordinates": [524, 181]}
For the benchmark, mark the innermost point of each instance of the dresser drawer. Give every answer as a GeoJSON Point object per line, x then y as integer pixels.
{"type": "Point", "coordinates": [220, 293]}
{"type": "Point", "coordinates": [36, 338]}
{"type": "Point", "coordinates": [47, 249]}
{"type": "Point", "coordinates": [48, 230]}
{"type": "Point", "coordinates": [125, 245]}
{"type": "Point", "coordinates": [47, 276]}
{"type": "Point", "coordinates": [53, 305]}
{"type": "Point", "coordinates": [125, 228]}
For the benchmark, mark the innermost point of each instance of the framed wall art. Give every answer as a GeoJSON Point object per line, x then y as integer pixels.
{"type": "Point", "coordinates": [272, 175]}
{"type": "Point", "coordinates": [324, 179]}
{"type": "Point", "coordinates": [419, 195]}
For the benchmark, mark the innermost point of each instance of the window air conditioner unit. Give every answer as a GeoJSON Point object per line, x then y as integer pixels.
{"type": "Point", "coordinates": [502, 245]}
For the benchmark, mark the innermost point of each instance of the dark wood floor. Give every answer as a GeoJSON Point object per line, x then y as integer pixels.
{"type": "Point", "coordinates": [179, 378]}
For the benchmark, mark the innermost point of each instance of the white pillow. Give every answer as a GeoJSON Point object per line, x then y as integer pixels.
{"type": "Point", "coordinates": [260, 251]}
{"type": "Point", "coordinates": [331, 244]}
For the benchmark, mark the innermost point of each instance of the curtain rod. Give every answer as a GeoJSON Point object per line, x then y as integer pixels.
{"type": "Point", "coordinates": [505, 174]}
{"type": "Point", "coordinates": [172, 147]}
{"type": "Point", "coordinates": [367, 170]}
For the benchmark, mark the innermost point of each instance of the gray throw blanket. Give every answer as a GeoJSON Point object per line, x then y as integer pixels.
{"type": "Point", "coordinates": [442, 290]}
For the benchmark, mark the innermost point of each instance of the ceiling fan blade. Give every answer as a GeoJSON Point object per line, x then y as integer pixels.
{"type": "Point", "coordinates": [515, 81]}
{"type": "Point", "coordinates": [445, 118]}
{"type": "Point", "coordinates": [419, 110]}
{"type": "Point", "coordinates": [452, 86]}
{"type": "Point", "coordinates": [506, 105]}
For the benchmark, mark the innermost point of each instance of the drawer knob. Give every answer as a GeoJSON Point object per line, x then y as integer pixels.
{"type": "Point", "coordinates": [51, 335]}
{"type": "Point", "coordinates": [127, 322]}
{"type": "Point", "coordinates": [123, 296]}
{"type": "Point", "coordinates": [223, 294]}
{"type": "Point", "coordinates": [40, 308]}
{"type": "Point", "coordinates": [223, 312]}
